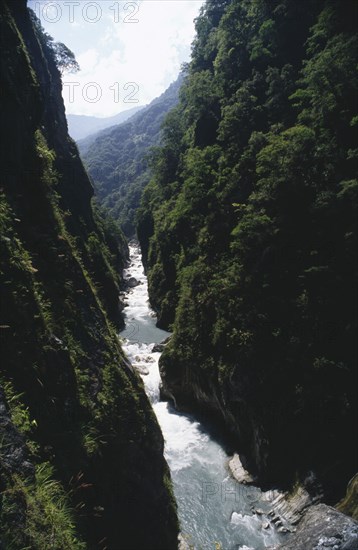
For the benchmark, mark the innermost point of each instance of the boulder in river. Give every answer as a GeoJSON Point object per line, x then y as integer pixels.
{"type": "Point", "coordinates": [160, 347]}
{"type": "Point", "coordinates": [144, 358]}
{"type": "Point", "coordinates": [141, 369]}
{"type": "Point", "coordinates": [132, 282]}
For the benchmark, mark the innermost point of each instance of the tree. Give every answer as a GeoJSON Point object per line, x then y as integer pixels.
{"type": "Point", "coordinates": [65, 58]}
{"type": "Point", "coordinates": [62, 55]}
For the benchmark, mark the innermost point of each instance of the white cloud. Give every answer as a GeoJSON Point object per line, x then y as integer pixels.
{"type": "Point", "coordinates": [88, 61]}
{"type": "Point", "coordinates": [112, 53]}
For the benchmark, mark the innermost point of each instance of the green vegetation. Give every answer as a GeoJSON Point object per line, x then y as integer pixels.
{"type": "Point", "coordinates": [81, 452]}
{"type": "Point", "coordinates": [64, 58]}
{"type": "Point", "coordinates": [349, 504]}
{"type": "Point", "coordinates": [117, 158]}
{"type": "Point", "coordinates": [248, 230]}
{"type": "Point", "coordinates": [49, 519]}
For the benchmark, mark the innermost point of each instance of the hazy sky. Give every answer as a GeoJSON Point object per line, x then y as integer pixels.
{"type": "Point", "coordinates": [129, 52]}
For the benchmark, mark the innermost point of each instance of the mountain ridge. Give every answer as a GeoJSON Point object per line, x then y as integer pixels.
{"type": "Point", "coordinates": [81, 126]}
{"type": "Point", "coordinates": [117, 162]}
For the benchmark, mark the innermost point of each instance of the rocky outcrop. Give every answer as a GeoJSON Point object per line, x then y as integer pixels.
{"type": "Point", "coordinates": [323, 527]}
{"type": "Point", "coordinates": [306, 523]}
{"type": "Point", "coordinates": [279, 510]}
{"type": "Point", "coordinates": [288, 508]}
{"type": "Point", "coordinates": [82, 453]}
{"type": "Point", "coordinates": [309, 525]}
{"type": "Point", "coordinates": [238, 471]}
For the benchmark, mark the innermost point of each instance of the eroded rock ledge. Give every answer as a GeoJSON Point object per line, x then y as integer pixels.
{"type": "Point", "coordinates": [309, 524]}
{"type": "Point", "coordinates": [323, 527]}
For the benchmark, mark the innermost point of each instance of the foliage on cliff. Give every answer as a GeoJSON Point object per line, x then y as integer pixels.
{"type": "Point", "coordinates": [117, 161]}
{"type": "Point", "coordinates": [349, 504]}
{"type": "Point", "coordinates": [249, 235]}
{"type": "Point", "coordinates": [64, 58]}
{"type": "Point", "coordinates": [81, 453]}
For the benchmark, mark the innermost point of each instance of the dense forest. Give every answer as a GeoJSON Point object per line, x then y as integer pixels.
{"type": "Point", "coordinates": [117, 158]}
{"type": "Point", "coordinates": [241, 182]}
{"type": "Point", "coordinates": [81, 453]}
{"type": "Point", "coordinates": [248, 233]}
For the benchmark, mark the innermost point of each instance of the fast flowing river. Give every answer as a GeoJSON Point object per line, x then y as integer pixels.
{"type": "Point", "coordinates": [215, 511]}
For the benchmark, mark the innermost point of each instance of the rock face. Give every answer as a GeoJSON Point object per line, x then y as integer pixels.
{"type": "Point", "coordinates": [310, 526]}
{"type": "Point", "coordinates": [82, 453]}
{"type": "Point", "coordinates": [238, 471]}
{"type": "Point", "coordinates": [324, 528]}
{"type": "Point", "coordinates": [288, 508]}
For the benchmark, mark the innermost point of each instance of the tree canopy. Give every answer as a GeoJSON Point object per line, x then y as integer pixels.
{"type": "Point", "coordinates": [64, 58]}
{"type": "Point", "coordinates": [249, 235]}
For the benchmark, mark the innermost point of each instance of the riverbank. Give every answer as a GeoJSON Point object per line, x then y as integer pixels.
{"type": "Point", "coordinates": [215, 511]}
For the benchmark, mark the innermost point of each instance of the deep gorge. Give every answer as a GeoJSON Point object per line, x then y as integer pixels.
{"type": "Point", "coordinates": [240, 183]}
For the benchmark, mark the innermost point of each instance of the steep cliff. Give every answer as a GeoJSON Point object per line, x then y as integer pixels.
{"type": "Point", "coordinates": [81, 453]}
{"type": "Point", "coordinates": [249, 235]}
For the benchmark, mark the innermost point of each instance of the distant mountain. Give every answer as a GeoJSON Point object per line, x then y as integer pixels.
{"type": "Point", "coordinates": [116, 158]}
{"type": "Point", "coordinates": [81, 126]}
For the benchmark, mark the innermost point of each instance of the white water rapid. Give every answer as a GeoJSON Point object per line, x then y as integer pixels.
{"type": "Point", "coordinates": [215, 512]}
